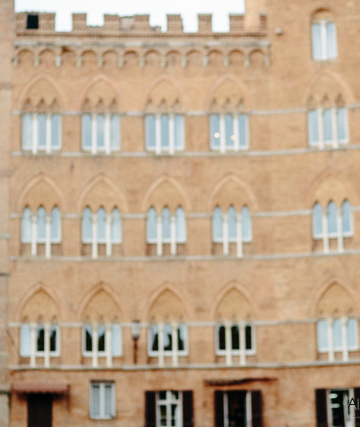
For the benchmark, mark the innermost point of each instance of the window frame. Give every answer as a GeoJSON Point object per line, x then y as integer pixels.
{"type": "Point", "coordinates": [155, 353]}
{"type": "Point", "coordinates": [235, 352]}
{"type": "Point", "coordinates": [34, 124]}
{"type": "Point", "coordinates": [100, 353]}
{"type": "Point", "coordinates": [168, 402]}
{"type": "Point", "coordinates": [102, 385]}
{"type": "Point", "coordinates": [221, 120]}
{"type": "Point", "coordinates": [157, 146]}
{"type": "Point", "coordinates": [324, 40]}
{"type": "Point", "coordinates": [337, 349]}
{"type": "Point", "coordinates": [108, 127]}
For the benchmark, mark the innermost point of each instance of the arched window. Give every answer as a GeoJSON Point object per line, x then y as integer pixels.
{"type": "Point", "coordinates": [55, 225]}
{"type": "Point", "coordinates": [317, 221]}
{"type": "Point", "coordinates": [41, 225]}
{"type": "Point", "coordinates": [168, 347]}
{"type": "Point", "coordinates": [87, 226]}
{"type": "Point", "coordinates": [332, 219]}
{"type": "Point", "coordinates": [180, 225]}
{"type": "Point", "coordinates": [26, 226]}
{"type": "Point", "coordinates": [115, 226]}
{"type": "Point", "coordinates": [217, 225]}
{"type": "Point", "coordinates": [151, 226]}
{"type": "Point", "coordinates": [324, 39]}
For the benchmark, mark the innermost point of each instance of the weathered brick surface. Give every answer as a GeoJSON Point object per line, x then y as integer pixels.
{"type": "Point", "coordinates": [283, 275]}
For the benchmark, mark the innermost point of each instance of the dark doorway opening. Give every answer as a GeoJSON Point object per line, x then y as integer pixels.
{"type": "Point", "coordinates": [40, 410]}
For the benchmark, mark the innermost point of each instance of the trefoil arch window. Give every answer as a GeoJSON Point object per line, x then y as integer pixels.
{"type": "Point", "coordinates": [167, 340]}
{"type": "Point", "coordinates": [164, 132]}
{"type": "Point", "coordinates": [41, 132]}
{"type": "Point", "coordinates": [229, 132]}
{"type": "Point", "coordinates": [337, 335]}
{"type": "Point", "coordinates": [332, 223]}
{"type": "Point", "coordinates": [102, 341]}
{"type": "Point", "coordinates": [235, 339]}
{"type": "Point", "coordinates": [231, 227]}
{"type": "Point", "coordinates": [101, 132]}
{"type": "Point", "coordinates": [328, 127]}
{"type": "Point", "coordinates": [101, 228]}
{"type": "Point", "coordinates": [41, 228]}
{"type": "Point", "coordinates": [166, 228]}
{"type": "Point", "coordinates": [39, 341]}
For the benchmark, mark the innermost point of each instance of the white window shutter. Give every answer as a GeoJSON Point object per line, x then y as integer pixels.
{"type": "Point", "coordinates": [25, 340]}
{"type": "Point", "coordinates": [27, 131]}
{"type": "Point", "coordinates": [322, 335]}
{"type": "Point", "coordinates": [116, 345]}
{"type": "Point", "coordinates": [115, 132]}
{"type": "Point", "coordinates": [316, 41]}
{"type": "Point", "coordinates": [331, 40]}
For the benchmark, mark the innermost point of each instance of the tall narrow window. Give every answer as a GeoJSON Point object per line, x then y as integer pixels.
{"type": "Point", "coordinates": [166, 227]}
{"type": "Point", "coordinates": [346, 219]}
{"type": "Point", "coordinates": [101, 225]}
{"type": "Point", "coordinates": [217, 225]}
{"type": "Point", "coordinates": [180, 224]}
{"type": "Point", "coordinates": [332, 220]}
{"type": "Point", "coordinates": [324, 43]}
{"type": "Point", "coordinates": [115, 226]}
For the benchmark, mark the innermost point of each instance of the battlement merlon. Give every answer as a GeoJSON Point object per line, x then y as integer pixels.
{"type": "Point", "coordinates": [136, 25]}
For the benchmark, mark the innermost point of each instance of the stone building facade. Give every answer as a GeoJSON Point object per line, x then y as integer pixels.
{"type": "Point", "coordinates": [184, 214]}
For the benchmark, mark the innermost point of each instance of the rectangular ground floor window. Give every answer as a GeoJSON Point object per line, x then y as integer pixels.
{"type": "Point", "coordinates": [337, 407]}
{"type": "Point", "coordinates": [238, 408]}
{"type": "Point", "coordinates": [102, 400]}
{"type": "Point", "coordinates": [169, 408]}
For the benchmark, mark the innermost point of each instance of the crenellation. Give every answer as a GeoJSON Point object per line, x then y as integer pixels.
{"type": "Point", "coordinates": [236, 23]}
{"type": "Point", "coordinates": [139, 26]}
{"type": "Point", "coordinates": [174, 24]}
{"type": "Point", "coordinates": [205, 23]}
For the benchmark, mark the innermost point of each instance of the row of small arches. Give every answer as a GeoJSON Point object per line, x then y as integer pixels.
{"type": "Point", "coordinates": [151, 58]}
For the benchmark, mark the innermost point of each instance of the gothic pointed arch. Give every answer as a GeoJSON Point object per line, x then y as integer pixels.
{"type": "Point", "coordinates": [165, 92]}
{"type": "Point", "coordinates": [228, 91]}
{"type": "Point", "coordinates": [101, 191]}
{"type": "Point", "coordinates": [165, 191]}
{"type": "Point", "coordinates": [334, 300]}
{"type": "Point", "coordinates": [233, 303]}
{"type": "Point", "coordinates": [230, 190]}
{"type": "Point", "coordinates": [166, 305]}
{"type": "Point", "coordinates": [100, 305]}
{"type": "Point", "coordinates": [42, 88]}
{"type": "Point", "coordinates": [99, 91]}
{"type": "Point", "coordinates": [41, 190]}
{"type": "Point", "coordinates": [39, 304]}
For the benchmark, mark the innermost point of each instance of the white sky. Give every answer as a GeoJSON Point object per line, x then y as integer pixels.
{"type": "Point", "coordinates": [157, 9]}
